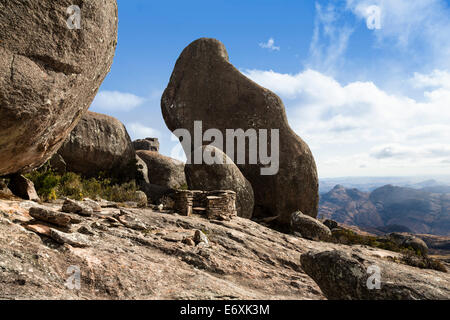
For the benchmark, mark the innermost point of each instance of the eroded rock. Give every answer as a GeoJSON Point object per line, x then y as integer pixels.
{"type": "Point", "coordinates": [78, 207]}
{"type": "Point", "coordinates": [99, 143]}
{"type": "Point", "coordinates": [23, 188]}
{"type": "Point", "coordinates": [309, 227]}
{"type": "Point", "coordinates": [51, 216]}
{"type": "Point", "coordinates": [49, 74]}
{"type": "Point", "coordinates": [73, 239]}
{"type": "Point", "coordinates": [206, 87]}
{"type": "Point", "coordinates": [222, 175]}
{"type": "Point", "coordinates": [345, 275]}
{"type": "Point", "coordinates": [163, 171]}
{"type": "Point", "coordinates": [148, 144]}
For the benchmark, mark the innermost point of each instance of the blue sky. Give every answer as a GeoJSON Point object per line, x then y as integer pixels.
{"type": "Point", "coordinates": [366, 83]}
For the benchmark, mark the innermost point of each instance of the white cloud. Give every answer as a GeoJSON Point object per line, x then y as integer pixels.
{"type": "Point", "coordinates": [270, 44]}
{"type": "Point", "coordinates": [117, 101]}
{"type": "Point", "coordinates": [407, 24]}
{"type": "Point", "coordinates": [437, 78]}
{"type": "Point", "coordinates": [359, 128]}
{"type": "Point", "coordinates": [330, 39]}
{"type": "Point", "coordinates": [140, 131]}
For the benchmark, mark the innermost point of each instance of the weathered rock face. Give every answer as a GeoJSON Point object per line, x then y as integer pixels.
{"type": "Point", "coordinates": [163, 171]}
{"type": "Point", "coordinates": [224, 176]}
{"type": "Point", "coordinates": [206, 86]}
{"type": "Point", "coordinates": [149, 144]}
{"type": "Point", "coordinates": [5, 193]}
{"type": "Point", "coordinates": [142, 171]}
{"type": "Point", "coordinates": [49, 74]}
{"type": "Point", "coordinates": [143, 254]}
{"type": "Point", "coordinates": [99, 143]}
{"type": "Point", "coordinates": [309, 227]}
{"type": "Point", "coordinates": [345, 275]}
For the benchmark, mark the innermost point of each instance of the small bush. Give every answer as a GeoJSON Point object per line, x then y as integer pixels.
{"type": "Point", "coordinates": [50, 186]}
{"type": "Point", "coordinates": [419, 261]}
{"type": "Point", "coordinates": [410, 256]}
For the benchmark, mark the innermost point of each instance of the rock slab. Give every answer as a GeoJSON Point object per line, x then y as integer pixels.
{"type": "Point", "coordinates": [345, 275]}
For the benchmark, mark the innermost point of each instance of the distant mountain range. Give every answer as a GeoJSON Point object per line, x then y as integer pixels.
{"type": "Point", "coordinates": [391, 208]}
{"type": "Point", "coordinates": [368, 184]}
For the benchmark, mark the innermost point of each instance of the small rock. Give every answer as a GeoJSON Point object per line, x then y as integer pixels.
{"type": "Point", "coordinates": [331, 224]}
{"type": "Point", "coordinates": [309, 227]}
{"type": "Point", "coordinates": [39, 229]}
{"type": "Point", "coordinates": [141, 198]}
{"type": "Point", "coordinates": [200, 237]}
{"type": "Point", "coordinates": [86, 230]}
{"type": "Point", "coordinates": [189, 241]}
{"type": "Point", "coordinates": [73, 239]}
{"type": "Point", "coordinates": [94, 205]}
{"type": "Point", "coordinates": [99, 226]}
{"type": "Point", "coordinates": [23, 188]}
{"type": "Point", "coordinates": [78, 207]}
{"type": "Point", "coordinates": [106, 204]}
{"type": "Point", "coordinates": [416, 244]}
{"type": "Point", "coordinates": [131, 222]}
{"type": "Point", "coordinates": [51, 216]}
{"type": "Point", "coordinates": [173, 237]}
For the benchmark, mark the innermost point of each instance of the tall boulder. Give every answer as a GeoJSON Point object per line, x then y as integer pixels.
{"type": "Point", "coordinates": [49, 74]}
{"type": "Point", "coordinates": [222, 175]}
{"type": "Point", "coordinates": [99, 143]}
{"type": "Point", "coordinates": [206, 87]}
{"type": "Point", "coordinates": [163, 171]}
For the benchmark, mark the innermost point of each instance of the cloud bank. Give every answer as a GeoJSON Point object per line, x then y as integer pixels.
{"type": "Point", "coordinates": [357, 127]}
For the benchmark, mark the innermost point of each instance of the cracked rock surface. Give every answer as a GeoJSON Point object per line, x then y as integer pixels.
{"type": "Point", "coordinates": [126, 253]}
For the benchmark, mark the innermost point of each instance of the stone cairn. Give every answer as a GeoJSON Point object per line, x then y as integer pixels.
{"type": "Point", "coordinates": [216, 205]}
{"type": "Point", "coordinates": [221, 205]}
{"type": "Point", "coordinates": [184, 201]}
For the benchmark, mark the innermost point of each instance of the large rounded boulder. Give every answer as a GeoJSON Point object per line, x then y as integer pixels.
{"type": "Point", "coordinates": [223, 174]}
{"type": "Point", "coordinates": [50, 71]}
{"type": "Point", "coordinates": [206, 87]}
{"type": "Point", "coordinates": [99, 143]}
{"type": "Point", "coordinates": [309, 228]}
{"type": "Point", "coordinates": [163, 171]}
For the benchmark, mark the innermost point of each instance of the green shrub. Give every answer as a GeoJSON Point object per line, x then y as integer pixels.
{"type": "Point", "coordinates": [419, 261]}
{"type": "Point", "coordinates": [409, 255]}
{"type": "Point", "coordinates": [50, 186]}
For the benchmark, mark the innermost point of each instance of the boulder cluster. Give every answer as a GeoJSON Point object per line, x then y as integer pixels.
{"type": "Point", "coordinates": [195, 214]}
{"type": "Point", "coordinates": [98, 144]}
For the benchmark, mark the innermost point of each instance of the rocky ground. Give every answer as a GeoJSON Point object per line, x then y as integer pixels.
{"type": "Point", "coordinates": [130, 253]}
